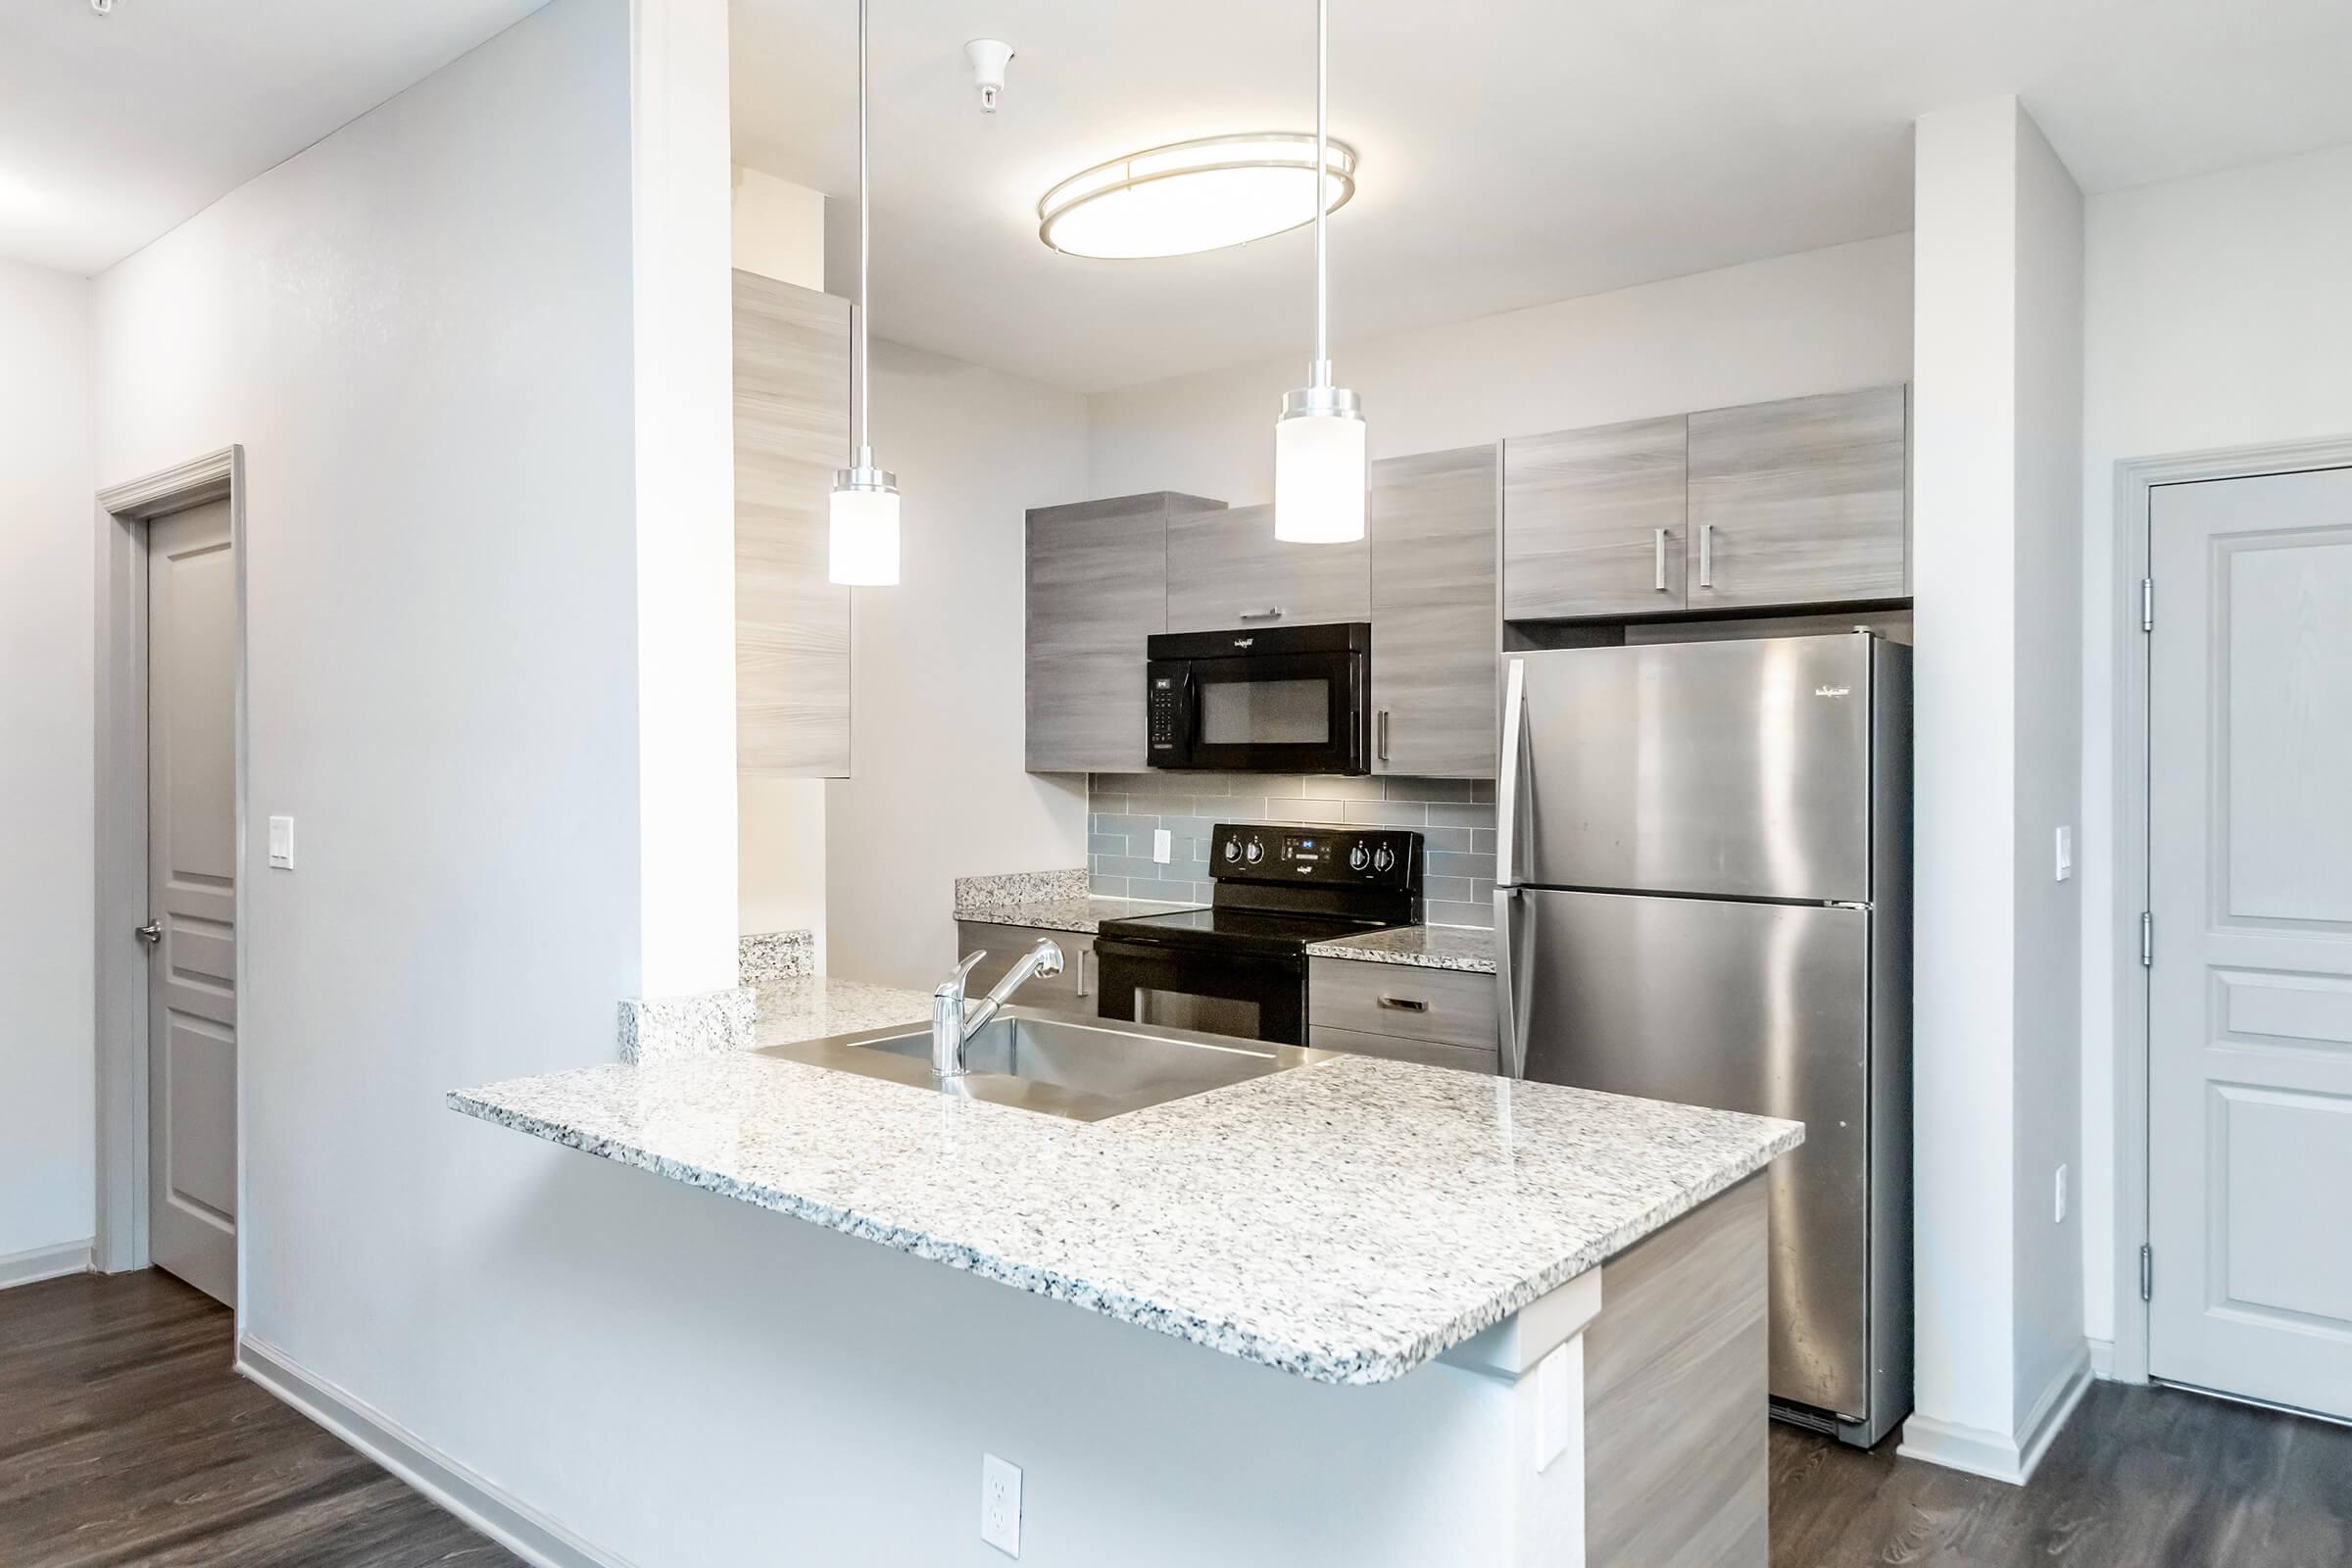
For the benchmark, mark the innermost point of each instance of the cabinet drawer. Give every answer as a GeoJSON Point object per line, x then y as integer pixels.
{"type": "Point", "coordinates": [1395, 1048]}
{"type": "Point", "coordinates": [1072, 991]}
{"type": "Point", "coordinates": [1446, 1007]}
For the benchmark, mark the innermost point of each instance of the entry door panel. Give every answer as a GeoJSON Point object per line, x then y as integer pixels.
{"type": "Point", "coordinates": [191, 881]}
{"type": "Point", "coordinates": [2250, 996]}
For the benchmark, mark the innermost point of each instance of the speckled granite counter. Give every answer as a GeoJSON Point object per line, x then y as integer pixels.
{"type": "Point", "coordinates": [1345, 1222]}
{"type": "Point", "coordinates": [814, 1006]}
{"type": "Point", "coordinates": [1043, 903]}
{"type": "Point", "coordinates": [1424, 947]}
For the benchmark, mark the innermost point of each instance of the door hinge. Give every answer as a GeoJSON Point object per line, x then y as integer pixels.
{"type": "Point", "coordinates": [2147, 1272]}
{"type": "Point", "coordinates": [2147, 603]}
{"type": "Point", "coordinates": [2148, 940]}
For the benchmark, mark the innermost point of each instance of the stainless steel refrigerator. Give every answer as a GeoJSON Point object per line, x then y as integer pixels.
{"type": "Point", "coordinates": [1704, 894]}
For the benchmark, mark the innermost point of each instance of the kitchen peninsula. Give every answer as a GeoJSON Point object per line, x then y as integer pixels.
{"type": "Point", "coordinates": [1359, 1311]}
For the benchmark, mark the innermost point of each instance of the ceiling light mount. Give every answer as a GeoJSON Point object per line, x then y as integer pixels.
{"type": "Point", "coordinates": [1194, 196]}
{"type": "Point", "coordinates": [989, 58]}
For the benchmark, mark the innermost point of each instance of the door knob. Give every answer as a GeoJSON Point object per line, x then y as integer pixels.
{"type": "Point", "coordinates": [151, 933]}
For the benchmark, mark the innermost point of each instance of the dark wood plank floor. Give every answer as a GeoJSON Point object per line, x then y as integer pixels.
{"type": "Point", "coordinates": [126, 1439]}
{"type": "Point", "coordinates": [2140, 1478]}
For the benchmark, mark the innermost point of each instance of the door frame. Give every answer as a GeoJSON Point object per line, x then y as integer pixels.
{"type": "Point", "coordinates": [2136, 479]}
{"type": "Point", "coordinates": [123, 512]}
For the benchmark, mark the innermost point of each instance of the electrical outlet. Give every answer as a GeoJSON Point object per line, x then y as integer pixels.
{"type": "Point", "coordinates": [1163, 845]}
{"type": "Point", "coordinates": [2065, 853]}
{"type": "Point", "coordinates": [281, 843]}
{"type": "Point", "coordinates": [2058, 1205]}
{"type": "Point", "coordinates": [1001, 1504]}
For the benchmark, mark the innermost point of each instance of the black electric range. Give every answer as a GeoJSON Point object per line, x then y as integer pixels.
{"type": "Point", "coordinates": [1238, 967]}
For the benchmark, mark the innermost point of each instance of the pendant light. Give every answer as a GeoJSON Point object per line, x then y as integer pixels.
{"type": "Point", "coordinates": [1319, 440]}
{"type": "Point", "coordinates": [865, 535]}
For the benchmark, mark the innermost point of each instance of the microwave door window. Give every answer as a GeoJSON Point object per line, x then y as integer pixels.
{"type": "Point", "coordinates": [1265, 713]}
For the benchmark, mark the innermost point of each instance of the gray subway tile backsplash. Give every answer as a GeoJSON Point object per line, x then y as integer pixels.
{"type": "Point", "coordinates": [1125, 809]}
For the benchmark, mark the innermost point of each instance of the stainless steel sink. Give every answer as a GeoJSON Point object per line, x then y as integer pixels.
{"type": "Point", "coordinates": [1060, 1066]}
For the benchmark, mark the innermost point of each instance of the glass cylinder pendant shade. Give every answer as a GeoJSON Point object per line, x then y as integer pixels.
{"type": "Point", "coordinates": [1319, 478]}
{"type": "Point", "coordinates": [864, 536]}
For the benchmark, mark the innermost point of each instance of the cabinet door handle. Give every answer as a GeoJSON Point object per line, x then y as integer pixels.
{"type": "Point", "coordinates": [1657, 545]}
{"type": "Point", "coordinates": [1706, 554]}
{"type": "Point", "coordinates": [1384, 735]}
{"type": "Point", "coordinates": [1404, 1004]}
{"type": "Point", "coordinates": [1085, 956]}
{"type": "Point", "coordinates": [1270, 612]}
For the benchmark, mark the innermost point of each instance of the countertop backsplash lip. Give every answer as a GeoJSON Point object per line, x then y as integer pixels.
{"type": "Point", "coordinates": [1345, 1222]}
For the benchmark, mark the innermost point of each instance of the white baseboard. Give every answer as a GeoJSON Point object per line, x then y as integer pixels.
{"type": "Point", "coordinates": [513, 1524]}
{"type": "Point", "coordinates": [2102, 1360]}
{"type": "Point", "coordinates": [45, 1264]}
{"type": "Point", "coordinates": [1998, 1455]}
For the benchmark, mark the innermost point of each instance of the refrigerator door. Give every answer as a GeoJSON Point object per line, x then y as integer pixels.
{"type": "Point", "coordinates": [1738, 768]}
{"type": "Point", "coordinates": [1757, 1007]}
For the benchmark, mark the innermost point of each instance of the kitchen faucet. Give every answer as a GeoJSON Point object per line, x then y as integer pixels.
{"type": "Point", "coordinates": [955, 1021]}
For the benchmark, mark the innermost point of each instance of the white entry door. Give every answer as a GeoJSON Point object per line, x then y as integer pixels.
{"type": "Point", "coordinates": [2250, 885]}
{"type": "Point", "coordinates": [191, 892]}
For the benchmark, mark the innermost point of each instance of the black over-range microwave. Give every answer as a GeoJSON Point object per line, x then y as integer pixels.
{"type": "Point", "coordinates": [1276, 700]}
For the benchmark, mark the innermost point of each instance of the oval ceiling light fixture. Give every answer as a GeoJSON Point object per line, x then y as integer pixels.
{"type": "Point", "coordinates": [1194, 196]}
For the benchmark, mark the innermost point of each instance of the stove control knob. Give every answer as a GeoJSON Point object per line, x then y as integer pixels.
{"type": "Point", "coordinates": [1233, 850]}
{"type": "Point", "coordinates": [1358, 857]}
{"type": "Point", "coordinates": [1256, 852]}
{"type": "Point", "coordinates": [1384, 859]}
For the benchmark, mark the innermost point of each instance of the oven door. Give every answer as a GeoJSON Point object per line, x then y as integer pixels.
{"type": "Point", "coordinates": [1301, 712]}
{"type": "Point", "coordinates": [1248, 995]}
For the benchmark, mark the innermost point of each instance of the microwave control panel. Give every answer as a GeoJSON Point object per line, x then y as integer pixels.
{"type": "Point", "coordinates": [1166, 712]}
{"type": "Point", "coordinates": [1378, 858]}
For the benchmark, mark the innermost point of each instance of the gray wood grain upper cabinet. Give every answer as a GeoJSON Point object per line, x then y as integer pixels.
{"type": "Point", "coordinates": [792, 627]}
{"type": "Point", "coordinates": [1803, 501]}
{"type": "Point", "coordinates": [1097, 586]}
{"type": "Point", "coordinates": [1226, 570]}
{"type": "Point", "coordinates": [1593, 521]}
{"type": "Point", "coordinates": [1433, 614]}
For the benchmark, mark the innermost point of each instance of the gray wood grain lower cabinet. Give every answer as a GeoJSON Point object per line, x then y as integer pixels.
{"type": "Point", "coordinates": [1433, 614]}
{"type": "Point", "coordinates": [1076, 991]}
{"type": "Point", "coordinates": [1226, 570]}
{"type": "Point", "coordinates": [1804, 501]}
{"type": "Point", "coordinates": [1446, 1017]}
{"type": "Point", "coordinates": [792, 626]}
{"type": "Point", "coordinates": [1097, 586]}
{"type": "Point", "coordinates": [1593, 521]}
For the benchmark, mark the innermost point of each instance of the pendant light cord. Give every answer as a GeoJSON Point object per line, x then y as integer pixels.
{"type": "Point", "coordinates": [864, 367]}
{"type": "Point", "coordinates": [1322, 372]}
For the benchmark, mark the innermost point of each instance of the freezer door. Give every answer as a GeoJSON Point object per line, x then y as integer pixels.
{"type": "Point", "coordinates": [1756, 1008]}
{"type": "Point", "coordinates": [1738, 768]}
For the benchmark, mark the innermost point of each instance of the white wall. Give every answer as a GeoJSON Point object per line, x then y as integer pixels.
{"type": "Point", "coordinates": [685, 487]}
{"type": "Point", "coordinates": [1995, 430]}
{"type": "Point", "coordinates": [780, 230]}
{"type": "Point", "coordinates": [936, 668]}
{"type": "Point", "coordinates": [420, 328]}
{"type": "Point", "coordinates": [1819, 322]}
{"type": "Point", "coordinates": [2217, 314]}
{"type": "Point", "coordinates": [47, 561]}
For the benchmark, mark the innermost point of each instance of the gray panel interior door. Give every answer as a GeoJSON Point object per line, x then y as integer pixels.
{"type": "Point", "coordinates": [1779, 1027]}
{"type": "Point", "coordinates": [192, 897]}
{"type": "Point", "coordinates": [1732, 769]}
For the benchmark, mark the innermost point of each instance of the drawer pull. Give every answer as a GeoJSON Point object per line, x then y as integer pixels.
{"type": "Point", "coordinates": [1404, 1004]}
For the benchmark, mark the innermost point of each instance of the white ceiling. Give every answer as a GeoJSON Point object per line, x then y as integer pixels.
{"type": "Point", "coordinates": [1514, 151]}
{"type": "Point", "coordinates": [115, 128]}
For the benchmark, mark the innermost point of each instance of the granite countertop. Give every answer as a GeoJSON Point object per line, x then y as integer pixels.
{"type": "Point", "coordinates": [1466, 947]}
{"type": "Point", "coordinates": [814, 1007]}
{"type": "Point", "coordinates": [1345, 1221]}
{"type": "Point", "coordinates": [1050, 901]}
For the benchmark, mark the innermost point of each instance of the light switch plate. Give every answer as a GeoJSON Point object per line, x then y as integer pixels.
{"type": "Point", "coordinates": [1163, 845]}
{"type": "Point", "coordinates": [2065, 853]}
{"type": "Point", "coordinates": [1001, 1504]}
{"type": "Point", "coordinates": [281, 843]}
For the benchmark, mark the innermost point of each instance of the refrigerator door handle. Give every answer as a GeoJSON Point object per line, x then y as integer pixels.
{"type": "Point", "coordinates": [1513, 916]}
{"type": "Point", "coordinates": [1506, 808]}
